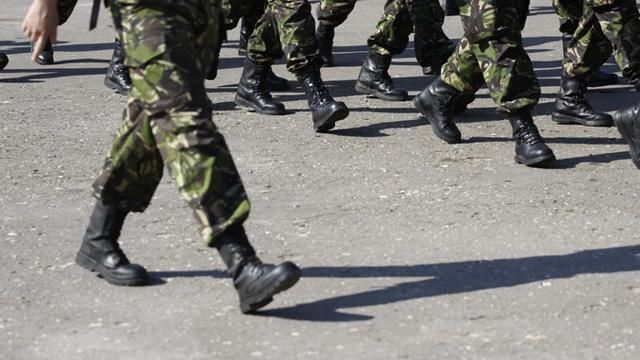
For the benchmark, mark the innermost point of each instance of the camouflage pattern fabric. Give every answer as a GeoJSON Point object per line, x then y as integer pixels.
{"type": "Point", "coordinates": [491, 52]}
{"type": "Point", "coordinates": [604, 26]}
{"type": "Point", "coordinates": [589, 47]}
{"type": "Point", "coordinates": [288, 23]}
{"type": "Point", "coordinates": [167, 119]}
{"type": "Point", "coordinates": [334, 12]}
{"type": "Point", "coordinates": [399, 19]}
{"type": "Point", "coordinates": [402, 17]}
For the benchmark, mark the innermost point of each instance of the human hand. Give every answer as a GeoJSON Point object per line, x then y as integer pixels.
{"type": "Point", "coordinates": [41, 24]}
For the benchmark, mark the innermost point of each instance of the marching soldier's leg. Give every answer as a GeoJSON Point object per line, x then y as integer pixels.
{"type": "Point", "coordinates": [510, 78]}
{"type": "Point", "coordinates": [117, 77]}
{"type": "Point", "coordinates": [127, 182]}
{"type": "Point", "coordinates": [620, 22]}
{"type": "Point", "coordinates": [330, 13]}
{"type": "Point", "coordinates": [570, 13]}
{"type": "Point", "coordinates": [432, 46]}
{"type": "Point", "coordinates": [391, 38]}
{"type": "Point", "coordinates": [168, 55]}
{"type": "Point", "coordinates": [253, 93]}
{"type": "Point", "coordinates": [587, 51]}
{"type": "Point", "coordinates": [294, 26]}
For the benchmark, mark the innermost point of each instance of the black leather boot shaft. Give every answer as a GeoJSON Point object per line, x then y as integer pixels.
{"type": "Point", "coordinates": [275, 82]}
{"type": "Point", "coordinates": [101, 252]}
{"type": "Point", "coordinates": [530, 147]}
{"type": "Point", "coordinates": [252, 93]}
{"type": "Point", "coordinates": [437, 102]}
{"type": "Point", "coordinates": [325, 111]}
{"type": "Point", "coordinates": [46, 56]}
{"type": "Point", "coordinates": [324, 38]}
{"type": "Point", "coordinates": [375, 80]}
{"type": "Point", "coordinates": [255, 282]}
{"type": "Point", "coordinates": [572, 106]}
{"type": "Point", "coordinates": [117, 77]}
{"type": "Point", "coordinates": [628, 123]}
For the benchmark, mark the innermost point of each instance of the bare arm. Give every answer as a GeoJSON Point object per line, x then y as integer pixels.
{"type": "Point", "coordinates": [41, 24]}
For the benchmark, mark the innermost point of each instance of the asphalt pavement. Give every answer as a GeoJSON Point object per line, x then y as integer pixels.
{"type": "Point", "coordinates": [411, 248]}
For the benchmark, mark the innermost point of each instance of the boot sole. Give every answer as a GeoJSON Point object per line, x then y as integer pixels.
{"type": "Point", "coordinates": [247, 105]}
{"type": "Point", "coordinates": [330, 122]}
{"type": "Point", "coordinates": [625, 129]}
{"type": "Point", "coordinates": [114, 86]}
{"type": "Point", "coordinates": [539, 161]}
{"type": "Point", "coordinates": [363, 89]}
{"type": "Point", "coordinates": [427, 112]}
{"type": "Point", "coordinates": [285, 280]}
{"type": "Point", "coordinates": [567, 120]}
{"type": "Point", "coordinates": [93, 266]}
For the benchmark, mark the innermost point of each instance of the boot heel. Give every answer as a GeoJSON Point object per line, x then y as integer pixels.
{"type": "Point", "coordinates": [362, 89]}
{"type": "Point", "coordinates": [85, 262]}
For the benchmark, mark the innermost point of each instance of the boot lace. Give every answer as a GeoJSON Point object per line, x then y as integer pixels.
{"type": "Point", "coordinates": [528, 134]}
{"type": "Point", "coordinates": [319, 93]}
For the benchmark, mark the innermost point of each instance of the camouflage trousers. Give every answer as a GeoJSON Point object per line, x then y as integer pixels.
{"type": "Point", "coordinates": [603, 27]}
{"type": "Point", "coordinates": [491, 52]}
{"type": "Point", "coordinates": [167, 118]}
{"type": "Point", "coordinates": [286, 25]}
{"type": "Point", "coordinates": [399, 19]}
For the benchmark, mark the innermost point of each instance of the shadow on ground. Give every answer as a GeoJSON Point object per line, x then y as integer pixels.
{"type": "Point", "coordinates": [439, 279]}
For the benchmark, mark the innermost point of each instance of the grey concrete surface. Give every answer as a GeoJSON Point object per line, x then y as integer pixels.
{"type": "Point", "coordinates": [411, 248]}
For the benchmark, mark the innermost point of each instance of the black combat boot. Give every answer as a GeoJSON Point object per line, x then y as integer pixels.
{"type": "Point", "coordinates": [324, 38]}
{"type": "Point", "coordinates": [626, 121]}
{"type": "Point", "coordinates": [46, 56]}
{"type": "Point", "coordinates": [4, 60]}
{"type": "Point", "coordinates": [255, 282]}
{"type": "Point", "coordinates": [375, 80]}
{"type": "Point", "coordinates": [599, 77]}
{"type": "Point", "coordinates": [252, 93]}
{"type": "Point", "coordinates": [100, 250]}
{"type": "Point", "coordinates": [572, 106]}
{"type": "Point", "coordinates": [437, 102]}
{"type": "Point", "coordinates": [324, 110]}
{"type": "Point", "coordinates": [530, 147]}
{"type": "Point", "coordinates": [275, 82]}
{"type": "Point", "coordinates": [118, 77]}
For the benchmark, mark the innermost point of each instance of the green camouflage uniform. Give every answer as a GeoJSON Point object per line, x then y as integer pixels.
{"type": "Point", "coordinates": [167, 118]}
{"type": "Point", "coordinates": [398, 21]}
{"type": "Point", "coordinates": [599, 32]}
{"type": "Point", "coordinates": [286, 22]}
{"type": "Point", "coordinates": [491, 51]}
